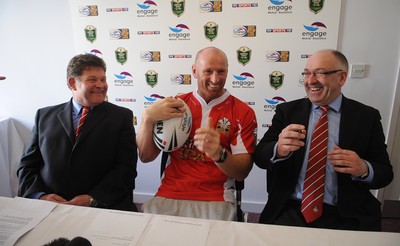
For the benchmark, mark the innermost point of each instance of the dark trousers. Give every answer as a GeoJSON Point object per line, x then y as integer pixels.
{"type": "Point", "coordinates": [291, 216]}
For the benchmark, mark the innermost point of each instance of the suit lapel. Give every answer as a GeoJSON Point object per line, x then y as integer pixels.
{"type": "Point", "coordinates": [303, 117]}
{"type": "Point", "coordinates": [65, 118]}
{"type": "Point", "coordinates": [348, 122]}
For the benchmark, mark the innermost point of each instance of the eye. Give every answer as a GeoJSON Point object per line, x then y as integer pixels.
{"type": "Point", "coordinates": [222, 72]}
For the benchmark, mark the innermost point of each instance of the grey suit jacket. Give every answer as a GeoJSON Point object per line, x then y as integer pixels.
{"type": "Point", "coordinates": [101, 162]}
{"type": "Point", "coordinates": [360, 130]}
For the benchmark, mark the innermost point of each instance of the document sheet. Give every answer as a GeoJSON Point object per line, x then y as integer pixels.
{"type": "Point", "coordinates": [20, 216]}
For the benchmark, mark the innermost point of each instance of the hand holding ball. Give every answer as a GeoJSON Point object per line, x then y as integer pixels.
{"type": "Point", "coordinates": [171, 134]}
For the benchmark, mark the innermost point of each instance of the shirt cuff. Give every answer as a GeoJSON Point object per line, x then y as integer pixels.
{"type": "Point", "coordinates": [274, 158]}
{"type": "Point", "coordinates": [370, 176]}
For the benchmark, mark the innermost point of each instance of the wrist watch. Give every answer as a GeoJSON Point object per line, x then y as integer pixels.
{"type": "Point", "coordinates": [92, 202]}
{"type": "Point", "coordinates": [366, 174]}
{"type": "Point", "coordinates": [223, 154]}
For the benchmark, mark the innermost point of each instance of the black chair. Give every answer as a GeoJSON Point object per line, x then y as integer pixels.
{"type": "Point", "coordinates": [239, 186]}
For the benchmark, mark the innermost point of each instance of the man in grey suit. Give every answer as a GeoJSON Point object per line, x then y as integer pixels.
{"type": "Point", "coordinates": [98, 167]}
{"type": "Point", "coordinates": [357, 159]}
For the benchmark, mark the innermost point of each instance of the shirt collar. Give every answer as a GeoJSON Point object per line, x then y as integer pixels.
{"type": "Point", "coordinates": [335, 104]}
{"type": "Point", "coordinates": [76, 106]}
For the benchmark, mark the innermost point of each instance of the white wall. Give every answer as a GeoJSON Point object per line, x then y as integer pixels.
{"type": "Point", "coordinates": [36, 44]}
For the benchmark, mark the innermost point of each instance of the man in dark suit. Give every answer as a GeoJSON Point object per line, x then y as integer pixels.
{"type": "Point", "coordinates": [95, 168]}
{"type": "Point", "coordinates": [357, 159]}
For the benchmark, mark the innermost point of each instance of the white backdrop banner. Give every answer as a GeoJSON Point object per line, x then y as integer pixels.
{"type": "Point", "coordinates": [149, 46]}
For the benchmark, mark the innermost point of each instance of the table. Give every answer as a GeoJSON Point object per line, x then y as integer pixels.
{"type": "Point", "coordinates": [71, 221]}
{"type": "Point", "coordinates": [11, 148]}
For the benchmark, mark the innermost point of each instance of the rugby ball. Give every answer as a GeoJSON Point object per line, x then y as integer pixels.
{"type": "Point", "coordinates": [171, 134]}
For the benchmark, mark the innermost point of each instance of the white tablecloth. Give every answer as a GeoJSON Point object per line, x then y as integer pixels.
{"type": "Point", "coordinates": [11, 148]}
{"type": "Point", "coordinates": [94, 224]}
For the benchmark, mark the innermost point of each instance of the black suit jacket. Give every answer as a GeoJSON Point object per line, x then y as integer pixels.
{"type": "Point", "coordinates": [360, 130]}
{"type": "Point", "coordinates": [101, 162]}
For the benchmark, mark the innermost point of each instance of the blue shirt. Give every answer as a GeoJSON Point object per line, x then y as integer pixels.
{"type": "Point", "coordinates": [334, 114]}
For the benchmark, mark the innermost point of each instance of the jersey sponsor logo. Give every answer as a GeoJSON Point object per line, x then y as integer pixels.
{"type": "Point", "coordinates": [224, 126]}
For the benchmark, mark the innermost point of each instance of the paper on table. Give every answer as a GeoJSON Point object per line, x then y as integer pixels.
{"type": "Point", "coordinates": [175, 231]}
{"type": "Point", "coordinates": [20, 216]}
{"type": "Point", "coordinates": [116, 228]}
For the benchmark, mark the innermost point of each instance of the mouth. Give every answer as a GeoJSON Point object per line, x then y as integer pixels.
{"type": "Point", "coordinates": [315, 89]}
{"type": "Point", "coordinates": [213, 86]}
{"type": "Point", "coordinates": [98, 91]}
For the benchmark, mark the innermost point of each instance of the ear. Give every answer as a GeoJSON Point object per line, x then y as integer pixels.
{"type": "Point", "coordinates": [72, 83]}
{"type": "Point", "coordinates": [343, 78]}
{"type": "Point", "coordinates": [194, 71]}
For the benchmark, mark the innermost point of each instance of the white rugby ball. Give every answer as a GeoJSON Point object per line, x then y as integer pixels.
{"type": "Point", "coordinates": [171, 134]}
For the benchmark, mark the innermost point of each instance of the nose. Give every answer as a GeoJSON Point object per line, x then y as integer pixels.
{"type": "Point", "coordinates": [312, 78]}
{"type": "Point", "coordinates": [214, 77]}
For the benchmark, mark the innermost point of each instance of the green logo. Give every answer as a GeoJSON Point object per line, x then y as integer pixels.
{"type": "Point", "coordinates": [178, 7]}
{"type": "Point", "coordinates": [211, 30]}
{"type": "Point", "coordinates": [243, 55]}
{"type": "Point", "coordinates": [121, 54]}
{"type": "Point", "coordinates": [316, 5]}
{"type": "Point", "coordinates": [276, 79]}
{"type": "Point", "coordinates": [151, 78]}
{"type": "Point", "coordinates": [90, 33]}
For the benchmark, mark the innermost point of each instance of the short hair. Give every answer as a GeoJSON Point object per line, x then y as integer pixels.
{"type": "Point", "coordinates": [81, 62]}
{"type": "Point", "coordinates": [341, 58]}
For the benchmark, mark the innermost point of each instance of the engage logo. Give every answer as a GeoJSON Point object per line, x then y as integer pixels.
{"type": "Point", "coordinates": [95, 52]}
{"type": "Point", "coordinates": [123, 79]}
{"type": "Point", "coordinates": [149, 100]}
{"type": "Point", "coordinates": [244, 80]}
{"type": "Point", "coordinates": [146, 9]}
{"type": "Point", "coordinates": [316, 31]}
{"type": "Point", "coordinates": [180, 32]}
{"type": "Point", "coordinates": [270, 104]}
{"type": "Point", "coordinates": [280, 7]}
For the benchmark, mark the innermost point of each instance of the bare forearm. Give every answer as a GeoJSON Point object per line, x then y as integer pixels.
{"type": "Point", "coordinates": [237, 166]}
{"type": "Point", "coordinates": [148, 151]}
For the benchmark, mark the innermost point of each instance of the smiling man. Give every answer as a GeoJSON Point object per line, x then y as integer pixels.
{"type": "Point", "coordinates": [199, 177]}
{"type": "Point", "coordinates": [82, 152]}
{"type": "Point", "coordinates": [324, 179]}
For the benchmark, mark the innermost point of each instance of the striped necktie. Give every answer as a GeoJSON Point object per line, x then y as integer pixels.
{"type": "Point", "coordinates": [314, 182]}
{"type": "Point", "coordinates": [85, 111]}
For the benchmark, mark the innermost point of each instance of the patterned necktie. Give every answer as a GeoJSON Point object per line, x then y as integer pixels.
{"type": "Point", "coordinates": [85, 111]}
{"type": "Point", "coordinates": [314, 182]}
